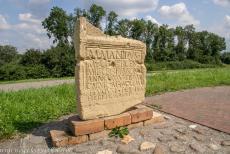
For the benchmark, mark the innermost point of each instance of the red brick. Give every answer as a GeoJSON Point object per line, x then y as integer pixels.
{"type": "Point", "coordinates": [117, 121]}
{"type": "Point", "coordinates": [156, 118]}
{"type": "Point", "coordinates": [141, 114]}
{"type": "Point", "coordinates": [61, 138]}
{"type": "Point", "coordinates": [99, 135]}
{"type": "Point", "coordinates": [72, 140]}
{"type": "Point", "coordinates": [79, 127]}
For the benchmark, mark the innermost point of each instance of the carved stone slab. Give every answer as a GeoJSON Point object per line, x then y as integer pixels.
{"type": "Point", "coordinates": [110, 72]}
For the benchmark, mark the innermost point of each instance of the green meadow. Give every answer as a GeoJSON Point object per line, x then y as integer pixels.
{"type": "Point", "coordinates": [21, 111]}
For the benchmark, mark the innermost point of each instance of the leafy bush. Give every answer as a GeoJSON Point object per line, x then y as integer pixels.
{"type": "Point", "coordinates": [173, 65]}
{"type": "Point", "coordinates": [225, 57]}
{"type": "Point", "coordinates": [19, 72]}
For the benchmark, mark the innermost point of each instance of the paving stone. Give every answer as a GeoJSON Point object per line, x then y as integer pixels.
{"type": "Point", "coordinates": [165, 138]}
{"type": "Point", "coordinates": [123, 149]}
{"type": "Point", "coordinates": [177, 148]}
{"type": "Point", "coordinates": [162, 125]}
{"type": "Point", "coordinates": [182, 130]}
{"type": "Point", "coordinates": [36, 139]}
{"type": "Point", "coordinates": [147, 146]}
{"type": "Point", "coordinates": [105, 152]}
{"type": "Point", "coordinates": [102, 134]}
{"type": "Point", "coordinates": [225, 143]}
{"type": "Point", "coordinates": [79, 127]}
{"type": "Point", "coordinates": [181, 137]}
{"type": "Point", "coordinates": [200, 131]}
{"type": "Point", "coordinates": [127, 139]}
{"type": "Point", "coordinates": [197, 148]}
{"type": "Point", "coordinates": [141, 114]}
{"type": "Point", "coordinates": [159, 149]}
{"type": "Point", "coordinates": [167, 132]}
{"type": "Point", "coordinates": [117, 121]}
{"type": "Point", "coordinates": [214, 146]}
{"type": "Point", "coordinates": [135, 125]}
{"type": "Point", "coordinates": [157, 118]}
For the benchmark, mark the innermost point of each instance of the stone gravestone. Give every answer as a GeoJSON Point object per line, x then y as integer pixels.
{"type": "Point", "coordinates": [110, 72]}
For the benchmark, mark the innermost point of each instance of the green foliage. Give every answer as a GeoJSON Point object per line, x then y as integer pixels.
{"type": "Point", "coordinates": [8, 54]}
{"type": "Point", "coordinates": [112, 23]}
{"type": "Point", "coordinates": [57, 25]}
{"type": "Point", "coordinates": [225, 57]}
{"type": "Point", "coordinates": [174, 65]}
{"type": "Point", "coordinates": [31, 57]}
{"type": "Point", "coordinates": [119, 132]}
{"type": "Point", "coordinates": [96, 14]}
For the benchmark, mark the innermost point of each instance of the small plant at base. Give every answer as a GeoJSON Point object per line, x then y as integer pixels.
{"type": "Point", "coordinates": [119, 132]}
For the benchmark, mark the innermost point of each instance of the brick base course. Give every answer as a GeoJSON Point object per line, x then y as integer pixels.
{"type": "Point", "coordinates": [82, 131]}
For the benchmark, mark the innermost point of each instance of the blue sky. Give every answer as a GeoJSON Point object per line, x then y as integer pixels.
{"type": "Point", "coordinates": [20, 20]}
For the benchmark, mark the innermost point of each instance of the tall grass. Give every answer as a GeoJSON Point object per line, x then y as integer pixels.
{"type": "Point", "coordinates": [23, 110]}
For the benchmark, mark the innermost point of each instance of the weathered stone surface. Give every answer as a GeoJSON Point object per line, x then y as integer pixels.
{"type": "Point", "coordinates": [105, 152]}
{"type": "Point", "coordinates": [127, 139]}
{"type": "Point", "coordinates": [135, 125]}
{"type": "Point", "coordinates": [197, 148]}
{"type": "Point", "coordinates": [110, 72]}
{"type": "Point", "coordinates": [95, 136]}
{"type": "Point", "coordinates": [159, 150]}
{"type": "Point", "coordinates": [225, 143]}
{"type": "Point", "coordinates": [117, 121]}
{"type": "Point", "coordinates": [156, 118]}
{"type": "Point", "coordinates": [214, 146]}
{"type": "Point", "coordinates": [177, 148]}
{"type": "Point", "coordinates": [147, 146]}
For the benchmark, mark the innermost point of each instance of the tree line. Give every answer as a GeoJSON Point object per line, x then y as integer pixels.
{"type": "Point", "coordinates": [178, 47]}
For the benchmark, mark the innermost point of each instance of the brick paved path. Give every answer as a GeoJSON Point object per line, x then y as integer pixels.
{"type": "Point", "coordinates": [207, 106]}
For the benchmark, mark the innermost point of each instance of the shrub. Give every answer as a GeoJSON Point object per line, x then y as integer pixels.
{"type": "Point", "coordinates": [173, 65]}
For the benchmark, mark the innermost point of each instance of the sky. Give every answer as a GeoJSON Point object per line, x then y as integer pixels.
{"type": "Point", "coordinates": [20, 20]}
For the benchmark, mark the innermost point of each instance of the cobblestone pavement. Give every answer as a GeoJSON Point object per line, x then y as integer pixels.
{"type": "Point", "coordinates": [34, 85]}
{"type": "Point", "coordinates": [173, 136]}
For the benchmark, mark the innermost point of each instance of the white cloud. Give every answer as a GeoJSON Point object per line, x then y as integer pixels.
{"type": "Point", "coordinates": [3, 23]}
{"type": "Point", "coordinates": [227, 21]}
{"type": "Point", "coordinates": [223, 3]}
{"type": "Point", "coordinates": [180, 12]}
{"type": "Point", "coordinates": [148, 17]}
{"type": "Point", "coordinates": [27, 17]}
{"type": "Point", "coordinates": [28, 33]}
{"type": "Point", "coordinates": [128, 8]}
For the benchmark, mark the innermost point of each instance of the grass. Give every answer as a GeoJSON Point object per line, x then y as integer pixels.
{"type": "Point", "coordinates": [23, 110]}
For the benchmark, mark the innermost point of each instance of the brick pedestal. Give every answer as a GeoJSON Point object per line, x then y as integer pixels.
{"type": "Point", "coordinates": [82, 131]}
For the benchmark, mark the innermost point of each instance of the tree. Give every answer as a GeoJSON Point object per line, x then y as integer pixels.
{"type": "Point", "coordinates": [96, 13]}
{"type": "Point", "coordinates": [31, 57]}
{"type": "Point", "coordinates": [225, 57]}
{"type": "Point", "coordinates": [137, 29]}
{"type": "Point", "coordinates": [123, 28]}
{"type": "Point", "coordinates": [180, 48]}
{"type": "Point", "coordinates": [8, 54]}
{"type": "Point", "coordinates": [56, 25]}
{"type": "Point", "coordinates": [151, 29]}
{"type": "Point", "coordinates": [112, 22]}
{"type": "Point", "coordinates": [164, 44]}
